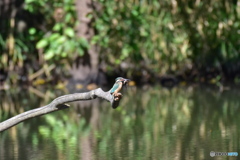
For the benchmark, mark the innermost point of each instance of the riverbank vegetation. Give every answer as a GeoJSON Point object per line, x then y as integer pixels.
{"type": "Point", "coordinates": [189, 40]}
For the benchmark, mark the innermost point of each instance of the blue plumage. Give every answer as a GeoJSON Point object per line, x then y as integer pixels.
{"type": "Point", "coordinates": [115, 86]}
{"type": "Point", "coordinates": [119, 82]}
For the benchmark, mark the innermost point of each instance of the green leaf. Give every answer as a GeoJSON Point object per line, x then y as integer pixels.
{"type": "Point", "coordinates": [68, 17]}
{"type": "Point", "coordinates": [61, 39]}
{"type": "Point", "coordinates": [143, 32]}
{"type": "Point", "coordinates": [67, 1]}
{"type": "Point", "coordinates": [29, 1]}
{"type": "Point", "coordinates": [64, 54]}
{"type": "Point", "coordinates": [54, 36]}
{"type": "Point", "coordinates": [57, 27]}
{"type": "Point", "coordinates": [95, 39]}
{"type": "Point", "coordinates": [135, 13]}
{"type": "Point", "coordinates": [69, 32]}
{"type": "Point", "coordinates": [32, 31]}
{"type": "Point", "coordinates": [84, 42]}
{"type": "Point", "coordinates": [110, 11]}
{"type": "Point", "coordinates": [223, 50]}
{"type": "Point", "coordinates": [58, 49]}
{"type": "Point", "coordinates": [49, 54]}
{"type": "Point", "coordinates": [125, 51]}
{"type": "Point", "coordinates": [117, 61]}
{"type": "Point", "coordinates": [80, 51]}
{"type": "Point", "coordinates": [42, 43]}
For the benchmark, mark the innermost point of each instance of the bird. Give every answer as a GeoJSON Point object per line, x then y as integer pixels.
{"type": "Point", "coordinates": [115, 90]}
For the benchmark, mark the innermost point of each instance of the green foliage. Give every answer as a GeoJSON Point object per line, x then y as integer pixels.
{"type": "Point", "coordinates": [160, 36]}
{"type": "Point", "coordinates": [135, 31]}
{"type": "Point", "coordinates": [166, 35]}
{"type": "Point", "coordinates": [60, 42]}
{"type": "Point", "coordinates": [213, 31]}
{"type": "Point", "coordinates": [51, 39]}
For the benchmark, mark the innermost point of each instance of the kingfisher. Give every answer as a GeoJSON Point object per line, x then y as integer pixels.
{"type": "Point", "coordinates": [115, 90]}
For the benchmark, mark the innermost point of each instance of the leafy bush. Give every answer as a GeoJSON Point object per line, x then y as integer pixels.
{"type": "Point", "coordinates": [167, 35]}
{"type": "Point", "coordinates": [60, 40]}
{"type": "Point", "coordinates": [48, 37]}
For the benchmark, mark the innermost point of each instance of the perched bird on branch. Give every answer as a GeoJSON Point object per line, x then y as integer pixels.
{"type": "Point", "coordinates": [59, 103]}
{"type": "Point", "coordinates": [115, 90]}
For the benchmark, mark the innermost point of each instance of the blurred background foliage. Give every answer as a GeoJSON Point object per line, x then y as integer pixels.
{"type": "Point", "coordinates": [193, 39]}
{"type": "Point", "coordinates": [144, 33]}
{"type": "Point", "coordinates": [59, 41]}
{"type": "Point", "coordinates": [171, 36]}
{"type": "Point", "coordinates": [45, 42]}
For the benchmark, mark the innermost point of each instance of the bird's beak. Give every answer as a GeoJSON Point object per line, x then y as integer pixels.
{"type": "Point", "coordinates": [125, 81]}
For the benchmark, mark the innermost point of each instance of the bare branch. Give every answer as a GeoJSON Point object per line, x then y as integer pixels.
{"type": "Point", "coordinates": [58, 104]}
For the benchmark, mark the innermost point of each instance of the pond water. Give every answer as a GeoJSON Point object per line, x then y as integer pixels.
{"type": "Point", "coordinates": [151, 123]}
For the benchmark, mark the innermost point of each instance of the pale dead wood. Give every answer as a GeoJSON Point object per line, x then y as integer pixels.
{"type": "Point", "coordinates": [58, 104]}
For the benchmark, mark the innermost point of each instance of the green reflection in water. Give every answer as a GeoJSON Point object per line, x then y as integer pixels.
{"type": "Point", "coordinates": [155, 123]}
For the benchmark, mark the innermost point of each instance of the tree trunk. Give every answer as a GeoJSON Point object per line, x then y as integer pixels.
{"type": "Point", "coordinates": [85, 69]}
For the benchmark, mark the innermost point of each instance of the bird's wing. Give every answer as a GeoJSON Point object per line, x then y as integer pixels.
{"type": "Point", "coordinates": [115, 86]}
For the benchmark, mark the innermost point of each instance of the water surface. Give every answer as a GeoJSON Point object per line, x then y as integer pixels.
{"type": "Point", "coordinates": [151, 123]}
